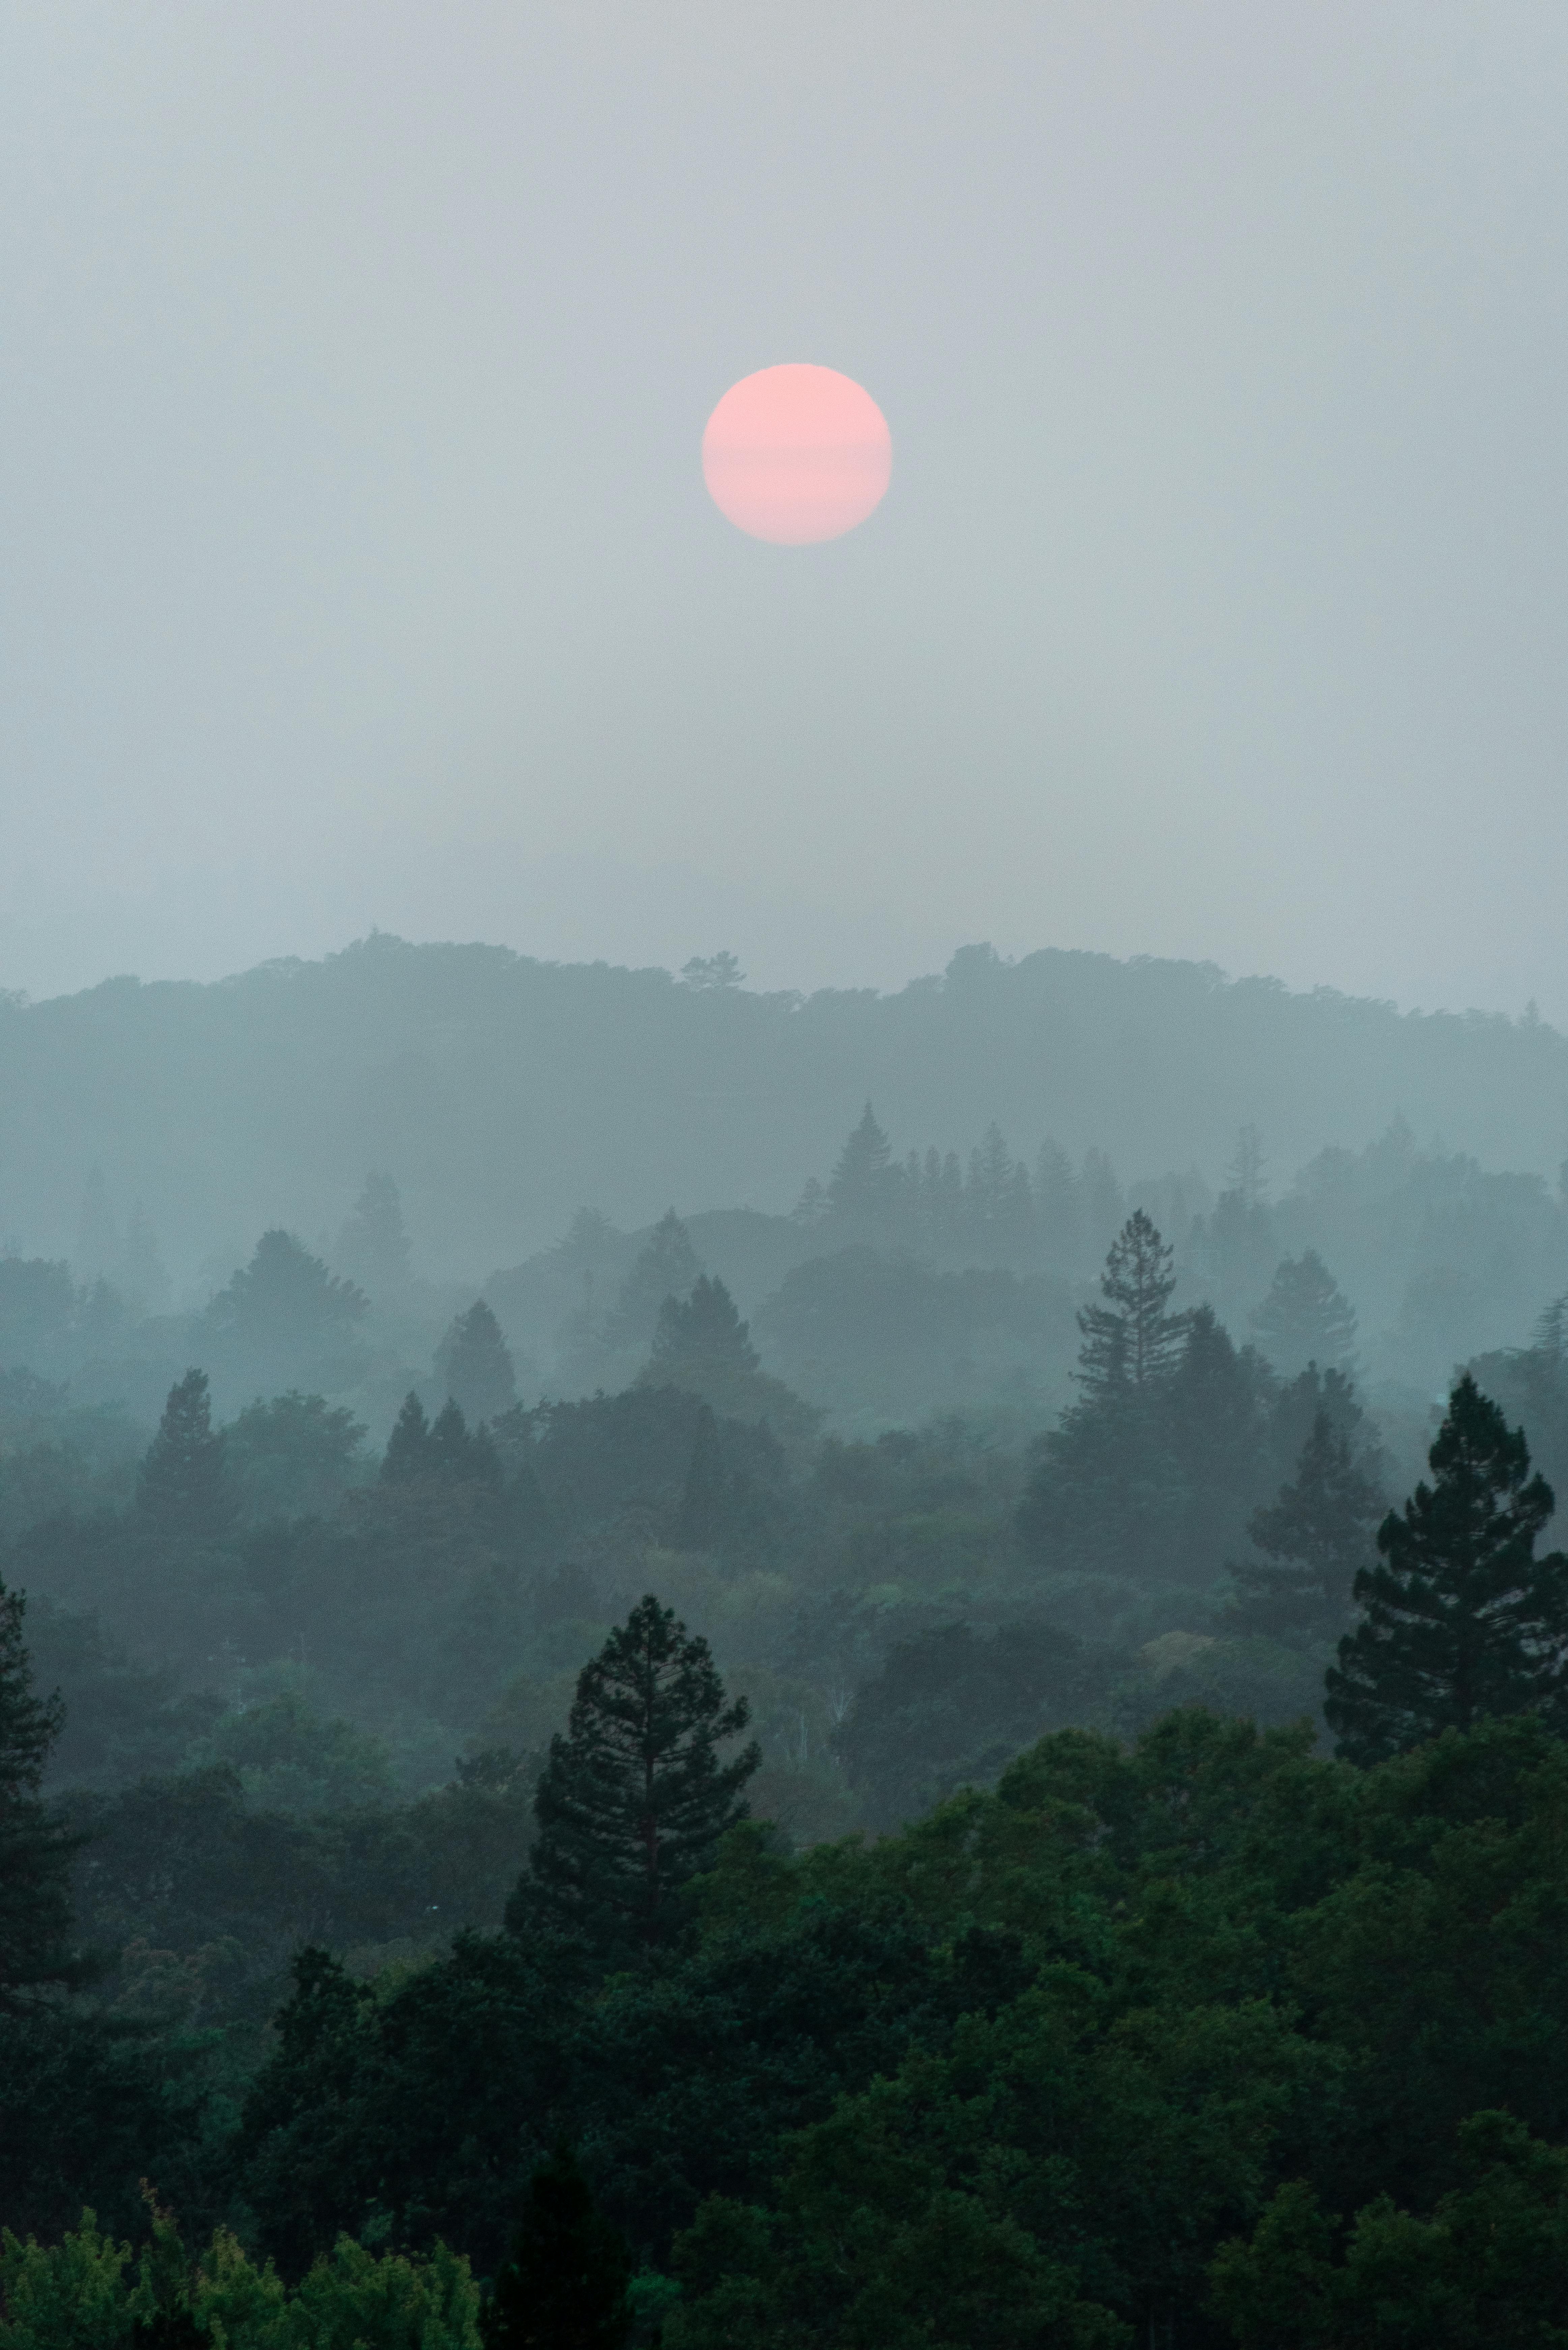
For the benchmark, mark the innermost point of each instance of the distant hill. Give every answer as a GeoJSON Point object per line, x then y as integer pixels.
{"type": "Point", "coordinates": [503, 1094]}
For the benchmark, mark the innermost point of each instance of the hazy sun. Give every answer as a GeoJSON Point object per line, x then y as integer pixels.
{"type": "Point", "coordinates": [796, 453]}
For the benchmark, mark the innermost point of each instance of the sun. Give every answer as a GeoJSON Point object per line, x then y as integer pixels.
{"type": "Point", "coordinates": [796, 454]}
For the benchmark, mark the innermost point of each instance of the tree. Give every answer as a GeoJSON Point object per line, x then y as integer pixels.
{"type": "Point", "coordinates": [1131, 1341]}
{"type": "Point", "coordinates": [407, 1447]}
{"type": "Point", "coordinates": [373, 1246]}
{"type": "Point", "coordinates": [564, 2285]}
{"type": "Point", "coordinates": [705, 971]}
{"type": "Point", "coordinates": [634, 1798]}
{"type": "Point", "coordinates": [450, 1450]}
{"type": "Point", "coordinates": [1306, 1317]}
{"type": "Point", "coordinates": [701, 1340]}
{"type": "Point", "coordinates": [1460, 1619]}
{"type": "Point", "coordinates": [474, 1365]}
{"type": "Point", "coordinates": [285, 1298]}
{"type": "Point", "coordinates": [861, 1188]}
{"type": "Point", "coordinates": [1317, 1536]}
{"type": "Point", "coordinates": [667, 1265]}
{"type": "Point", "coordinates": [183, 1483]}
{"type": "Point", "coordinates": [35, 1849]}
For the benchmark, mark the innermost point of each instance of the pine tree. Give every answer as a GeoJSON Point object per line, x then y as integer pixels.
{"type": "Point", "coordinates": [1317, 1536]}
{"type": "Point", "coordinates": [408, 1445]}
{"type": "Point", "coordinates": [564, 2285]}
{"type": "Point", "coordinates": [634, 1797]}
{"type": "Point", "coordinates": [1306, 1317]}
{"type": "Point", "coordinates": [474, 1365]}
{"type": "Point", "coordinates": [1460, 1619]}
{"type": "Point", "coordinates": [861, 1188]}
{"type": "Point", "coordinates": [667, 1265]}
{"type": "Point", "coordinates": [183, 1486]}
{"type": "Point", "coordinates": [1131, 1341]}
{"type": "Point", "coordinates": [373, 1246]}
{"type": "Point", "coordinates": [36, 1850]}
{"type": "Point", "coordinates": [701, 1341]}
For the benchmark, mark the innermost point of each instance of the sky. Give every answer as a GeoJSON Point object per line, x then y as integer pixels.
{"type": "Point", "coordinates": [357, 568]}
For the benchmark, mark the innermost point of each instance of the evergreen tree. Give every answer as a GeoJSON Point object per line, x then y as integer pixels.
{"type": "Point", "coordinates": [564, 2285]}
{"type": "Point", "coordinates": [1306, 1317]}
{"type": "Point", "coordinates": [1131, 1341]}
{"type": "Point", "coordinates": [701, 1341]}
{"type": "Point", "coordinates": [634, 1798]}
{"type": "Point", "coordinates": [474, 1365]}
{"type": "Point", "coordinates": [1460, 1619]}
{"type": "Point", "coordinates": [408, 1445]}
{"type": "Point", "coordinates": [459, 1454]}
{"type": "Point", "coordinates": [184, 1486]}
{"type": "Point", "coordinates": [1317, 1536]}
{"type": "Point", "coordinates": [285, 1298]}
{"type": "Point", "coordinates": [36, 1850]}
{"type": "Point", "coordinates": [666, 1266]}
{"type": "Point", "coordinates": [373, 1246]}
{"type": "Point", "coordinates": [861, 1188]}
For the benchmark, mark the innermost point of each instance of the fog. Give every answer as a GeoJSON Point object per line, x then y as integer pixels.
{"type": "Point", "coordinates": [356, 567]}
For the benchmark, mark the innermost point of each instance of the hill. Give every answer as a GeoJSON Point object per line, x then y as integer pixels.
{"type": "Point", "coordinates": [503, 1093]}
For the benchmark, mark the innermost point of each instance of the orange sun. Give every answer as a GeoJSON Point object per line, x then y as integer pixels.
{"type": "Point", "coordinates": [795, 454]}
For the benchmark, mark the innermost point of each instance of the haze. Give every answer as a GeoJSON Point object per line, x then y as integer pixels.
{"type": "Point", "coordinates": [356, 567]}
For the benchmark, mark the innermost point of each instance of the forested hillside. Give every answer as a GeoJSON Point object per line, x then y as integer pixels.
{"type": "Point", "coordinates": [502, 1095]}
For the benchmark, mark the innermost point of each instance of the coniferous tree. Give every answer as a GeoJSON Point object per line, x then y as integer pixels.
{"type": "Point", "coordinates": [666, 1266]}
{"type": "Point", "coordinates": [408, 1448]}
{"type": "Point", "coordinates": [564, 2286]}
{"type": "Point", "coordinates": [1306, 1317]}
{"type": "Point", "coordinates": [373, 1246]}
{"type": "Point", "coordinates": [634, 1797]}
{"type": "Point", "coordinates": [1460, 1619]}
{"type": "Point", "coordinates": [183, 1486]}
{"type": "Point", "coordinates": [861, 1188]}
{"type": "Point", "coordinates": [36, 1850]}
{"type": "Point", "coordinates": [701, 1340]}
{"type": "Point", "coordinates": [1131, 1341]}
{"type": "Point", "coordinates": [1317, 1537]}
{"type": "Point", "coordinates": [474, 1365]}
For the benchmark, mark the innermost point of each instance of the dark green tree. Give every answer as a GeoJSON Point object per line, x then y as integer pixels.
{"type": "Point", "coordinates": [474, 1365]}
{"type": "Point", "coordinates": [1306, 1317]}
{"type": "Point", "coordinates": [285, 1298]}
{"type": "Point", "coordinates": [407, 1447]}
{"type": "Point", "coordinates": [35, 1849]}
{"type": "Point", "coordinates": [564, 2285]}
{"type": "Point", "coordinates": [1460, 1619]}
{"type": "Point", "coordinates": [1131, 1341]}
{"type": "Point", "coordinates": [1316, 1537]}
{"type": "Point", "coordinates": [634, 1798]}
{"type": "Point", "coordinates": [184, 1486]}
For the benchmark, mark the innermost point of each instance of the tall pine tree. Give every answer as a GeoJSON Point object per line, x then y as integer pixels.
{"type": "Point", "coordinates": [36, 1850]}
{"type": "Point", "coordinates": [473, 1366]}
{"type": "Point", "coordinates": [634, 1797]}
{"type": "Point", "coordinates": [1460, 1619]}
{"type": "Point", "coordinates": [1316, 1537]}
{"type": "Point", "coordinates": [1131, 1341]}
{"type": "Point", "coordinates": [183, 1486]}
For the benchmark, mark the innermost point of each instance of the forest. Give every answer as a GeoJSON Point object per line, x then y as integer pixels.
{"type": "Point", "coordinates": [978, 1760]}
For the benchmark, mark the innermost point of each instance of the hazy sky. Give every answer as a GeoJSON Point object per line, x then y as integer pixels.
{"type": "Point", "coordinates": [356, 566]}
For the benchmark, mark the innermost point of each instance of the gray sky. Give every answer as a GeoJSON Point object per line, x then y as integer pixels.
{"type": "Point", "coordinates": [356, 566]}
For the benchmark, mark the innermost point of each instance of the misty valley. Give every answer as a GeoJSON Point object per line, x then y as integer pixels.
{"type": "Point", "coordinates": [965, 1747]}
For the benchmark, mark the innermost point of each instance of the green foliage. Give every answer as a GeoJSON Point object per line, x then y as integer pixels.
{"type": "Point", "coordinates": [1484, 2272]}
{"type": "Point", "coordinates": [564, 2286]}
{"type": "Point", "coordinates": [185, 1490]}
{"type": "Point", "coordinates": [36, 1953]}
{"type": "Point", "coordinates": [1460, 1618]}
{"type": "Point", "coordinates": [288, 1760]}
{"type": "Point", "coordinates": [1316, 1537]}
{"type": "Point", "coordinates": [294, 1457]}
{"type": "Point", "coordinates": [85, 2293]}
{"type": "Point", "coordinates": [634, 1797]}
